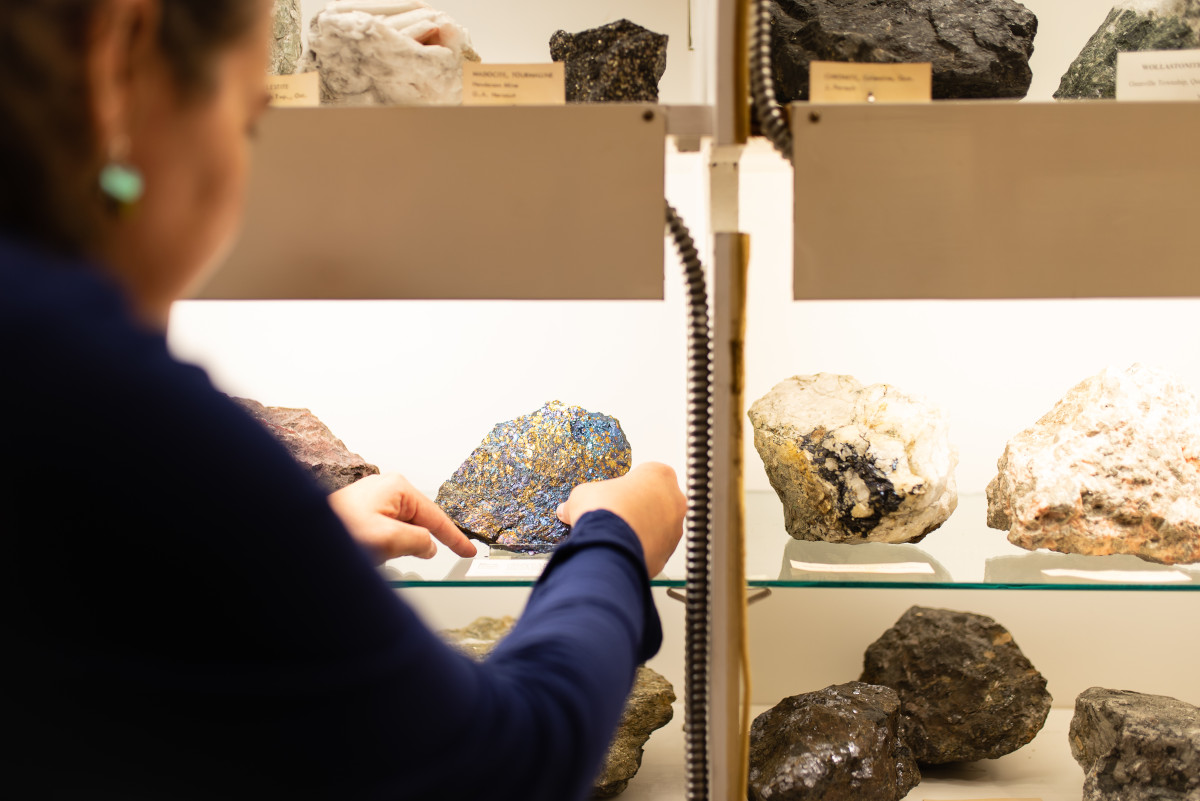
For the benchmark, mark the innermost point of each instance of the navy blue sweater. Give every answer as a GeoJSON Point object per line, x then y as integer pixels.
{"type": "Point", "coordinates": [185, 617]}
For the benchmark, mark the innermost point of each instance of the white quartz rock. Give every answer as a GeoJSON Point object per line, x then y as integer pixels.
{"type": "Point", "coordinates": [1113, 468]}
{"type": "Point", "coordinates": [853, 463]}
{"type": "Point", "coordinates": [387, 53]}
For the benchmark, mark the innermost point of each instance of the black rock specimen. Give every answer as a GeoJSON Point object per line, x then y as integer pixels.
{"type": "Point", "coordinates": [618, 62]}
{"type": "Point", "coordinates": [836, 744]}
{"type": "Point", "coordinates": [968, 691]}
{"type": "Point", "coordinates": [978, 48]}
{"type": "Point", "coordinates": [1093, 73]}
{"type": "Point", "coordinates": [1136, 747]}
{"type": "Point", "coordinates": [311, 443]}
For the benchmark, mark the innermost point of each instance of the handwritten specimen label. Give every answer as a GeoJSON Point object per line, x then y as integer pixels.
{"type": "Point", "coordinates": [297, 91]}
{"type": "Point", "coordinates": [1159, 75]}
{"type": "Point", "coordinates": [514, 84]}
{"type": "Point", "coordinates": [838, 82]}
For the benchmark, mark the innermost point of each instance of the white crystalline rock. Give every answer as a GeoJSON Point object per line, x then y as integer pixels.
{"type": "Point", "coordinates": [1113, 468]}
{"type": "Point", "coordinates": [380, 53]}
{"type": "Point", "coordinates": [854, 463]}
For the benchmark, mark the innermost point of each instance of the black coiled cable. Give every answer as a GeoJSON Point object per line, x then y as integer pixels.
{"type": "Point", "coordinates": [772, 118]}
{"type": "Point", "coordinates": [699, 490]}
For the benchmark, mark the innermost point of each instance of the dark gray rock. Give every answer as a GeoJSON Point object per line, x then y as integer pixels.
{"type": "Point", "coordinates": [1136, 747]}
{"type": "Point", "coordinates": [618, 62]}
{"type": "Point", "coordinates": [978, 48]}
{"type": "Point", "coordinates": [507, 491]}
{"type": "Point", "coordinates": [311, 443]}
{"type": "Point", "coordinates": [1093, 73]}
{"type": "Point", "coordinates": [286, 44]}
{"type": "Point", "coordinates": [841, 743]}
{"type": "Point", "coordinates": [968, 691]}
{"type": "Point", "coordinates": [647, 709]}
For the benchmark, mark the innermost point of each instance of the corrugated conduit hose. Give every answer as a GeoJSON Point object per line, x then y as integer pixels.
{"type": "Point", "coordinates": [772, 117]}
{"type": "Point", "coordinates": [699, 524]}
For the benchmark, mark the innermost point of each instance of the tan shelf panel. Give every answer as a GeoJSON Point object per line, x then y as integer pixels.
{"type": "Point", "coordinates": [547, 202]}
{"type": "Point", "coordinates": [995, 200]}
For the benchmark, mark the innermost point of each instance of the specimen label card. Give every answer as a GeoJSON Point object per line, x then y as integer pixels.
{"type": "Point", "coordinates": [885, 568]}
{"type": "Point", "coordinates": [838, 82]}
{"type": "Point", "coordinates": [297, 91]}
{"type": "Point", "coordinates": [1159, 75]}
{"type": "Point", "coordinates": [514, 84]}
{"type": "Point", "coordinates": [506, 568]}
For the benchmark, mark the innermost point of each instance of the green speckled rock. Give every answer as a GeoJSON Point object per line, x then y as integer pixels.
{"type": "Point", "coordinates": [1129, 27]}
{"type": "Point", "coordinates": [286, 45]}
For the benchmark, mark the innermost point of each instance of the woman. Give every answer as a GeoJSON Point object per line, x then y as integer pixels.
{"type": "Point", "coordinates": [185, 614]}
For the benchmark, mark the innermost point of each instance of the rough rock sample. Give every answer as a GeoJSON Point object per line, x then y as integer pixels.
{"type": "Point", "coordinates": [1113, 468]}
{"type": "Point", "coordinates": [978, 48]}
{"type": "Point", "coordinates": [617, 62]}
{"type": "Point", "coordinates": [839, 743]}
{"type": "Point", "coordinates": [1136, 747]}
{"type": "Point", "coordinates": [311, 443]}
{"type": "Point", "coordinates": [377, 53]}
{"type": "Point", "coordinates": [647, 709]}
{"type": "Point", "coordinates": [286, 45]}
{"type": "Point", "coordinates": [853, 463]}
{"type": "Point", "coordinates": [968, 691]}
{"type": "Point", "coordinates": [1131, 25]}
{"type": "Point", "coordinates": [508, 490]}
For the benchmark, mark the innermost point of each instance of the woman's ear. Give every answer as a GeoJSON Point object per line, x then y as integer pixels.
{"type": "Point", "coordinates": [121, 45]}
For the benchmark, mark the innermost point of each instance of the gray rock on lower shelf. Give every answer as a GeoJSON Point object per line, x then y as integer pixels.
{"type": "Point", "coordinates": [647, 709]}
{"type": "Point", "coordinates": [978, 48]}
{"type": "Point", "coordinates": [841, 743]}
{"type": "Point", "coordinates": [617, 62]}
{"type": "Point", "coordinates": [311, 443]}
{"type": "Point", "coordinates": [968, 691]}
{"type": "Point", "coordinates": [1113, 468]}
{"type": "Point", "coordinates": [1131, 26]}
{"type": "Point", "coordinates": [1136, 747]}
{"type": "Point", "coordinates": [854, 463]}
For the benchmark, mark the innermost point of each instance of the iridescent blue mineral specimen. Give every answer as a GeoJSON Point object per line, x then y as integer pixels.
{"type": "Point", "coordinates": [507, 491]}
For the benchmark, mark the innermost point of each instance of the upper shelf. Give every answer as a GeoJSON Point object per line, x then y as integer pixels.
{"type": "Point", "coordinates": [425, 202]}
{"type": "Point", "coordinates": [963, 554]}
{"type": "Point", "coordinates": [995, 200]}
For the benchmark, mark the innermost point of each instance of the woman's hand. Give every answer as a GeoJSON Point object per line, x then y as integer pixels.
{"type": "Point", "coordinates": [390, 518]}
{"type": "Point", "coordinates": [647, 498]}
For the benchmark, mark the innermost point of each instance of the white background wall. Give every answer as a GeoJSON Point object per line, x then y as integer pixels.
{"type": "Point", "coordinates": [415, 386]}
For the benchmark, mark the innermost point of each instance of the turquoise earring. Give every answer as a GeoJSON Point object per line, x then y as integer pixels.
{"type": "Point", "coordinates": [119, 180]}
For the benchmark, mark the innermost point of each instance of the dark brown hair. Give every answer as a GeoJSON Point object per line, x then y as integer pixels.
{"type": "Point", "coordinates": [49, 156]}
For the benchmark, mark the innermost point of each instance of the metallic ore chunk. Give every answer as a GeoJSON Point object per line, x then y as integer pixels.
{"type": "Point", "coordinates": [1136, 747]}
{"type": "Point", "coordinates": [842, 743]}
{"type": "Point", "coordinates": [968, 691]}
{"type": "Point", "coordinates": [508, 490]}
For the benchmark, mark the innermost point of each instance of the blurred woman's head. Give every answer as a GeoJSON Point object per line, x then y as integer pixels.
{"type": "Point", "coordinates": [171, 88]}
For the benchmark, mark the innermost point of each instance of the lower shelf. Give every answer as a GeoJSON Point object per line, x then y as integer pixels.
{"type": "Point", "coordinates": [1042, 770]}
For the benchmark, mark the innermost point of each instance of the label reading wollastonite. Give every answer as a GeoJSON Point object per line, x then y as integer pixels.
{"type": "Point", "coordinates": [514, 84]}
{"type": "Point", "coordinates": [1159, 75]}
{"type": "Point", "coordinates": [838, 82]}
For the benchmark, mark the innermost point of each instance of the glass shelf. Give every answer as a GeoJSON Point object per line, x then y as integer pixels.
{"type": "Point", "coordinates": [963, 554]}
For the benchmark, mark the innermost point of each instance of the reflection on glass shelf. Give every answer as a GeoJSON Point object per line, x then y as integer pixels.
{"type": "Point", "coordinates": [963, 553]}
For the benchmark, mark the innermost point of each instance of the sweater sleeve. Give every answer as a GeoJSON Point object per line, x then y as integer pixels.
{"type": "Point", "coordinates": [194, 621]}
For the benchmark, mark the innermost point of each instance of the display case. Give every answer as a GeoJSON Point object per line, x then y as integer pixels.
{"type": "Point", "coordinates": [988, 255]}
{"type": "Point", "coordinates": [894, 250]}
